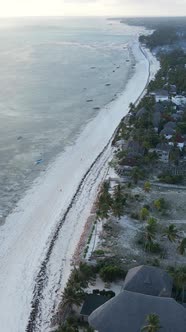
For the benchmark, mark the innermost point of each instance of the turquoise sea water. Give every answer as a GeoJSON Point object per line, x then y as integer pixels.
{"type": "Point", "coordinates": [55, 74]}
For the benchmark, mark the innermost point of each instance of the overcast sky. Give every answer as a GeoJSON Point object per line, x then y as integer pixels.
{"type": "Point", "coordinates": [93, 7]}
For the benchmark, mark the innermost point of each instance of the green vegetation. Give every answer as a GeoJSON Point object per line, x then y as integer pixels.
{"type": "Point", "coordinates": [171, 232]}
{"type": "Point", "coordinates": [73, 324]}
{"type": "Point", "coordinates": [144, 213]}
{"type": "Point", "coordinates": [182, 247]}
{"type": "Point", "coordinates": [159, 37]}
{"type": "Point", "coordinates": [108, 204]}
{"type": "Point", "coordinates": [173, 68]}
{"type": "Point", "coordinates": [153, 323]}
{"type": "Point", "coordinates": [179, 277]}
{"type": "Point", "coordinates": [147, 186]}
{"type": "Point", "coordinates": [137, 174]}
{"type": "Point", "coordinates": [104, 202]}
{"type": "Point", "coordinates": [118, 202]}
{"type": "Point", "coordinates": [110, 273]}
{"type": "Point", "coordinates": [160, 204]}
{"type": "Point", "coordinates": [99, 252]}
{"type": "Point", "coordinates": [110, 270]}
{"type": "Point", "coordinates": [103, 292]}
{"type": "Point", "coordinates": [167, 177]}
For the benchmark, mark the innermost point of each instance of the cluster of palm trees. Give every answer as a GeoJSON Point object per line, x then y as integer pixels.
{"type": "Point", "coordinates": [74, 294]}
{"type": "Point", "coordinates": [110, 204]}
{"type": "Point", "coordinates": [171, 232]}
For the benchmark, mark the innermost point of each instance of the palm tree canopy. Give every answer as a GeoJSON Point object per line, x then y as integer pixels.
{"type": "Point", "coordinates": [171, 232]}
{"type": "Point", "coordinates": [153, 323]}
{"type": "Point", "coordinates": [182, 247]}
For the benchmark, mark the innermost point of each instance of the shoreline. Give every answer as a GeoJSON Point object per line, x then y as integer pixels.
{"type": "Point", "coordinates": [43, 215]}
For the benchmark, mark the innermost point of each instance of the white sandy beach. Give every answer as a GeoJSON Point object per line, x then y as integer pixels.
{"type": "Point", "coordinates": [28, 231]}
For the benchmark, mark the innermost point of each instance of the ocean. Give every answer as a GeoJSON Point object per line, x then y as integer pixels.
{"type": "Point", "coordinates": [56, 74]}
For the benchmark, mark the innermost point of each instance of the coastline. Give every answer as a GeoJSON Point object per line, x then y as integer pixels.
{"type": "Point", "coordinates": [48, 196]}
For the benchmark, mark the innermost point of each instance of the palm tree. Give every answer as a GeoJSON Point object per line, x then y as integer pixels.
{"type": "Point", "coordinates": [182, 246]}
{"type": "Point", "coordinates": [72, 296]}
{"type": "Point", "coordinates": [171, 232]}
{"type": "Point", "coordinates": [153, 323]}
{"type": "Point", "coordinates": [147, 186]}
{"type": "Point", "coordinates": [104, 202]}
{"type": "Point", "coordinates": [149, 234]}
{"type": "Point", "coordinates": [118, 202]}
{"type": "Point", "coordinates": [136, 174]}
{"type": "Point", "coordinates": [179, 276]}
{"type": "Point", "coordinates": [131, 108]}
{"type": "Point", "coordinates": [152, 225]}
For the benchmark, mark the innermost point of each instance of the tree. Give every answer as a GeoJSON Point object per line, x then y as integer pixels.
{"type": "Point", "coordinates": [179, 276]}
{"type": "Point", "coordinates": [118, 201]}
{"type": "Point", "coordinates": [73, 295]}
{"type": "Point", "coordinates": [174, 155]}
{"type": "Point", "coordinates": [182, 246]}
{"type": "Point", "coordinates": [171, 232]}
{"type": "Point", "coordinates": [160, 204]}
{"type": "Point", "coordinates": [153, 323]}
{"type": "Point", "coordinates": [131, 108]}
{"type": "Point", "coordinates": [152, 225]}
{"type": "Point", "coordinates": [144, 213]}
{"type": "Point", "coordinates": [149, 235]}
{"type": "Point", "coordinates": [104, 202]}
{"type": "Point", "coordinates": [147, 186]}
{"type": "Point", "coordinates": [111, 273]}
{"type": "Point", "coordinates": [136, 174]}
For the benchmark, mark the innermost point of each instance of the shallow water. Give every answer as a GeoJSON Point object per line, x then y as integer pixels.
{"type": "Point", "coordinates": [55, 74]}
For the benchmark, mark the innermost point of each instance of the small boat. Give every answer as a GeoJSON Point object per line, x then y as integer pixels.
{"type": "Point", "coordinates": [39, 161]}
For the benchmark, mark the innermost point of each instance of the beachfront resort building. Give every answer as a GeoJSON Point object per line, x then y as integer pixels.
{"type": "Point", "coordinates": [127, 312]}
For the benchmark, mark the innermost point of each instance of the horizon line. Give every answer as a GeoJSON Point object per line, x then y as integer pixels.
{"type": "Point", "coordinates": [92, 16]}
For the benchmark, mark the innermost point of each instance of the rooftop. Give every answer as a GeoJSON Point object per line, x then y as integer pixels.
{"type": "Point", "coordinates": [92, 302]}
{"type": "Point", "coordinates": [148, 280]}
{"type": "Point", "coordinates": [127, 312]}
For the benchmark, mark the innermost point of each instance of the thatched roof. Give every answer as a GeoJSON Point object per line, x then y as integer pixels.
{"type": "Point", "coordinates": [141, 112]}
{"type": "Point", "coordinates": [170, 124]}
{"type": "Point", "coordinates": [148, 280]}
{"type": "Point", "coordinates": [127, 312]}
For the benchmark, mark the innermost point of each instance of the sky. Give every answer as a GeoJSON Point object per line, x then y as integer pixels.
{"type": "Point", "coordinates": [92, 8]}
